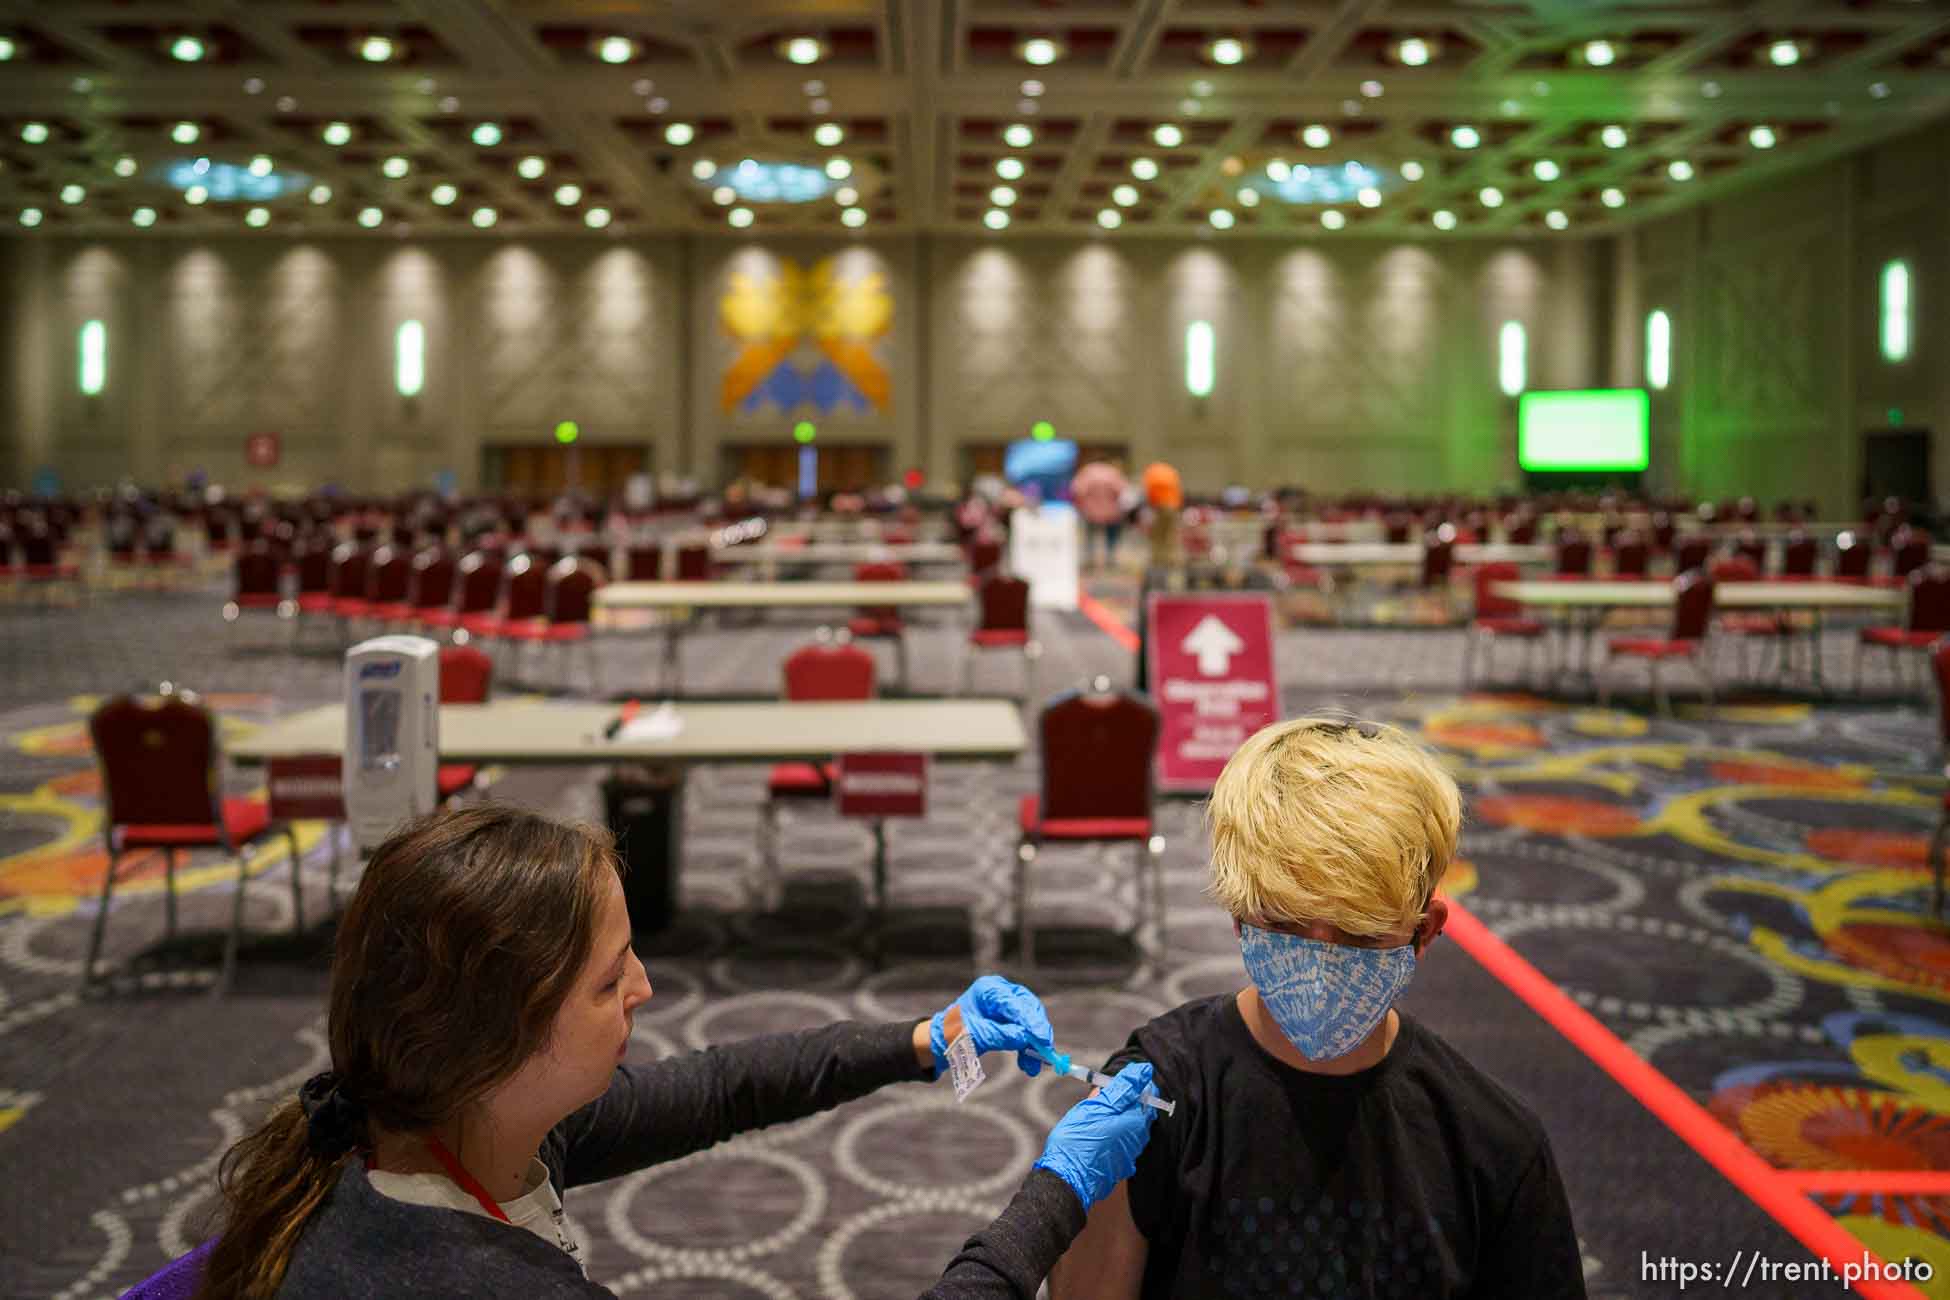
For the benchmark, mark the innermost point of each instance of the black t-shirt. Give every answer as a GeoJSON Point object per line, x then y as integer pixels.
{"type": "Point", "coordinates": [1420, 1176]}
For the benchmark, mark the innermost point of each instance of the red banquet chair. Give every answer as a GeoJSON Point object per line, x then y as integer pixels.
{"type": "Point", "coordinates": [1692, 616]}
{"type": "Point", "coordinates": [1631, 558]}
{"type": "Point", "coordinates": [1854, 556]}
{"type": "Point", "coordinates": [1693, 551]}
{"type": "Point", "coordinates": [1573, 556]}
{"type": "Point", "coordinates": [430, 588]}
{"type": "Point", "coordinates": [1499, 616]}
{"type": "Point", "coordinates": [1769, 628]}
{"type": "Point", "coordinates": [1097, 749]}
{"type": "Point", "coordinates": [389, 577]}
{"type": "Point", "coordinates": [160, 768]}
{"type": "Point", "coordinates": [258, 583]}
{"type": "Point", "coordinates": [1927, 620]}
{"type": "Point", "coordinates": [882, 622]}
{"type": "Point", "coordinates": [477, 590]}
{"type": "Point", "coordinates": [1003, 605]}
{"type": "Point", "coordinates": [350, 561]}
{"type": "Point", "coordinates": [1909, 550]}
{"type": "Point", "coordinates": [825, 670]}
{"type": "Point", "coordinates": [568, 591]}
{"type": "Point", "coordinates": [466, 677]}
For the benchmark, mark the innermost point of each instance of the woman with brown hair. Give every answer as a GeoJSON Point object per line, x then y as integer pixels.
{"type": "Point", "coordinates": [480, 1010]}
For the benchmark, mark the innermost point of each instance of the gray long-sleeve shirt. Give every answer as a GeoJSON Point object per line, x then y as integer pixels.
{"type": "Point", "coordinates": [361, 1243]}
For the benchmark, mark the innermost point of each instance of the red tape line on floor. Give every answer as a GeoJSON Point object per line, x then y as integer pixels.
{"type": "Point", "coordinates": [1111, 626]}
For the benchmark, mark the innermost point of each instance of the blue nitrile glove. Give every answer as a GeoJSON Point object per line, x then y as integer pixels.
{"type": "Point", "coordinates": [1095, 1147]}
{"type": "Point", "coordinates": [999, 1017]}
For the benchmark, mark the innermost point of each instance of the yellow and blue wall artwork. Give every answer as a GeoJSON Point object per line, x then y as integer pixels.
{"type": "Point", "coordinates": [806, 338]}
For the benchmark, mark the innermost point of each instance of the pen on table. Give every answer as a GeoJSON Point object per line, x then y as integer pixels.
{"type": "Point", "coordinates": [616, 723]}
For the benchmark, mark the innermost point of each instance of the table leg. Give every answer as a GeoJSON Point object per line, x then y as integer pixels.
{"type": "Point", "coordinates": [1814, 652]}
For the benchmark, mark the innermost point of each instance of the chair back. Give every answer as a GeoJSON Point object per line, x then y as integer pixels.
{"type": "Point", "coordinates": [1940, 666]}
{"type": "Point", "coordinates": [430, 585]}
{"type": "Point", "coordinates": [1438, 556]}
{"type": "Point", "coordinates": [1573, 554]}
{"type": "Point", "coordinates": [1097, 751]}
{"type": "Point", "coordinates": [1488, 603]}
{"type": "Point", "coordinates": [1629, 555]}
{"type": "Point", "coordinates": [1909, 550]}
{"type": "Point", "coordinates": [570, 585]}
{"type": "Point", "coordinates": [314, 561]}
{"type": "Point", "coordinates": [830, 672]}
{"type": "Point", "coordinates": [1734, 568]}
{"type": "Point", "coordinates": [984, 553]}
{"type": "Point", "coordinates": [466, 675]}
{"type": "Point", "coordinates": [177, 1280]}
{"type": "Point", "coordinates": [645, 563]}
{"type": "Point", "coordinates": [1853, 556]}
{"type": "Point", "coordinates": [158, 761]}
{"type": "Point", "coordinates": [477, 582]}
{"type": "Point", "coordinates": [1691, 552]}
{"type": "Point", "coordinates": [1395, 529]}
{"type": "Point", "coordinates": [387, 574]}
{"type": "Point", "coordinates": [1692, 606]}
{"type": "Point", "coordinates": [524, 588]}
{"type": "Point", "coordinates": [694, 562]}
{"type": "Point", "coordinates": [1799, 555]}
{"type": "Point", "coordinates": [258, 573]}
{"type": "Point", "coordinates": [1663, 530]}
{"type": "Point", "coordinates": [1929, 599]}
{"type": "Point", "coordinates": [1749, 546]}
{"type": "Point", "coordinates": [1004, 604]}
{"type": "Point", "coordinates": [1521, 531]}
{"type": "Point", "coordinates": [349, 564]}
{"type": "Point", "coordinates": [880, 571]}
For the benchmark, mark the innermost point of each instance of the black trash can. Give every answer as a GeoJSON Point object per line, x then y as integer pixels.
{"type": "Point", "coordinates": [645, 810]}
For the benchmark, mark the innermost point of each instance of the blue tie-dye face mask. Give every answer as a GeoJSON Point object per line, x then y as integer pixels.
{"type": "Point", "coordinates": [1325, 997]}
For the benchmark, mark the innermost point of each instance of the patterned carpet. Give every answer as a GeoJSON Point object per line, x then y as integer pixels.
{"type": "Point", "coordinates": [1738, 895]}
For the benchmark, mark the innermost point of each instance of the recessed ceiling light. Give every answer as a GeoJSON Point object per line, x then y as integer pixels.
{"type": "Point", "coordinates": [1145, 169]}
{"type": "Point", "coordinates": [680, 134]}
{"type": "Point", "coordinates": [596, 218]}
{"type": "Point", "coordinates": [484, 217]}
{"type": "Point", "coordinates": [1679, 169]}
{"type": "Point", "coordinates": [1221, 218]}
{"type": "Point", "coordinates": [1762, 137]}
{"type": "Point", "coordinates": [1228, 51]}
{"type": "Point", "coordinates": [125, 167]}
{"type": "Point", "coordinates": [261, 165]}
{"type": "Point", "coordinates": [196, 196]}
{"type": "Point", "coordinates": [1009, 169]}
{"type": "Point", "coordinates": [1444, 219]}
{"type": "Point", "coordinates": [1414, 51]}
{"type": "Point", "coordinates": [838, 169]}
{"type": "Point", "coordinates": [9, 49]}
{"type": "Point", "coordinates": [1032, 88]}
{"type": "Point", "coordinates": [802, 50]}
{"type": "Point", "coordinates": [336, 134]}
{"type": "Point", "coordinates": [1600, 54]}
{"type": "Point", "coordinates": [258, 218]}
{"type": "Point", "coordinates": [1411, 170]}
{"type": "Point", "coordinates": [1545, 169]}
{"type": "Point", "coordinates": [377, 49]}
{"type": "Point", "coordinates": [1124, 196]}
{"type": "Point", "coordinates": [1278, 171]}
{"type": "Point", "coordinates": [739, 217]}
{"type": "Point", "coordinates": [395, 167]}
{"type": "Point", "coordinates": [1040, 51]}
{"type": "Point", "coordinates": [321, 194]}
{"type": "Point", "coordinates": [443, 195]}
{"type": "Point", "coordinates": [1490, 196]}
{"type": "Point", "coordinates": [1332, 219]}
{"type": "Point", "coordinates": [1247, 198]}
{"type": "Point", "coordinates": [704, 169]}
{"type": "Point", "coordinates": [1878, 90]}
{"type": "Point", "coordinates": [73, 194]}
{"type": "Point", "coordinates": [532, 168]}
{"type": "Point", "coordinates": [1372, 89]}
{"type": "Point", "coordinates": [1190, 107]}
{"type": "Point", "coordinates": [828, 134]}
{"type": "Point", "coordinates": [1710, 89]}
{"type": "Point", "coordinates": [1110, 218]}
{"type": "Point", "coordinates": [568, 195]}
{"type": "Point", "coordinates": [1167, 135]}
{"type": "Point", "coordinates": [33, 132]}
{"type": "Point", "coordinates": [616, 49]}
{"type": "Point", "coordinates": [287, 104]}
{"type": "Point", "coordinates": [1784, 54]}
{"type": "Point", "coordinates": [487, 134]}
{"type": "Point", "coordinates": [1465, 137]}
{"type": "Point", "coordinates": [186, 133]}
{"type": "Point", "coordinates": [1018, 136]}
{"type": "Point", "coordinates": [854, 217]}
{"type": "Point", "coordinates": [371, 217]}
{"type": "Point", "coordinates": [1368, 197]}
{"type": "Point", "coordinates": [724, 196]}
{"type": "Point", "coordinates": [846, 196]}
{"type": "Point", "coordinates": [1002, 196]}
{"type": "Point", "coordinates": [188, 49]}
{"type": "Point", "coordinates": [1614, 137]}
{"type": "Point", "coordinates": [1316, 136]}
{"type": "Point", "coordinates": [30, 217]}
{"type": "Point", "coordinates": [1612, 197]}
{"type": "Point", "coordinates": [657, 104]}
{"type": "Point", "coordinates": [1556, 220]}
{"type": "Point", "coordinates": [143, 217]}
{"type": "Point", "coordinates": [995, 219]}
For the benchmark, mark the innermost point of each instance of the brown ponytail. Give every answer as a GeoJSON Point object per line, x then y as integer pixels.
{"type": "Point", "coordinates": [464, 937]}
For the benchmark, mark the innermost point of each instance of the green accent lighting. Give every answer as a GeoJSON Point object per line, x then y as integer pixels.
{"type": "Point", "coordinates": [1042, 431]}
{"type": "Point", "coordinates": [567, 432]}
{"type": "Point", "coordinates": [1584, 431]}
{"type": "Point", "coordinates": [804, 432]}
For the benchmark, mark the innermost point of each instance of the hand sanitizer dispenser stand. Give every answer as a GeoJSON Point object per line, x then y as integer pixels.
{"type": "Point", "coordinates": [392, 735]}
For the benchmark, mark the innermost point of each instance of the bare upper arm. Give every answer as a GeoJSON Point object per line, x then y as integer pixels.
{"type": "Point", "coordinates": [1106, 1261]}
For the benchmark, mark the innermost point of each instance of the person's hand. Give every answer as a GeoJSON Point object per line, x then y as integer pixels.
{"type": "Point", "coordinates": [999, 1017]}
{"type": "Point", "coordinates": [1096, 1146]}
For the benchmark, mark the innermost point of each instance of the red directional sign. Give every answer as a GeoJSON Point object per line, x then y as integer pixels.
{"type": "Point", "coordinates": [1210, 660]}
{"type": "Point", "coordinates": [882, 785]}
{"type": "Point", "coordinates": [261, 450]}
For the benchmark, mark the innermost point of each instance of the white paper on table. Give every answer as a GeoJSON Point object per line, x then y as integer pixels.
{"type": "Point", "coordinates": [661, 723]}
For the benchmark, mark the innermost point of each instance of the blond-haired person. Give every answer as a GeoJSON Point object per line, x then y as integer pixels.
{"type": "Point", "coordinates": [1324, 1143]}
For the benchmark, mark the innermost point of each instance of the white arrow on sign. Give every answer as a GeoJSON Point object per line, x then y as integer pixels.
{"type": "Point", "coordinates": [1214, 643]}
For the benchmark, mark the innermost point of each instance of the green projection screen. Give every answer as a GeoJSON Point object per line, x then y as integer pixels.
{"type": "Point", "coordinates": [1593, 430]}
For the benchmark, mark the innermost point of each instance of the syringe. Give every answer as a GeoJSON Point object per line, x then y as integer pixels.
{"type": "Point", "coordinates": [1062, 1064]}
